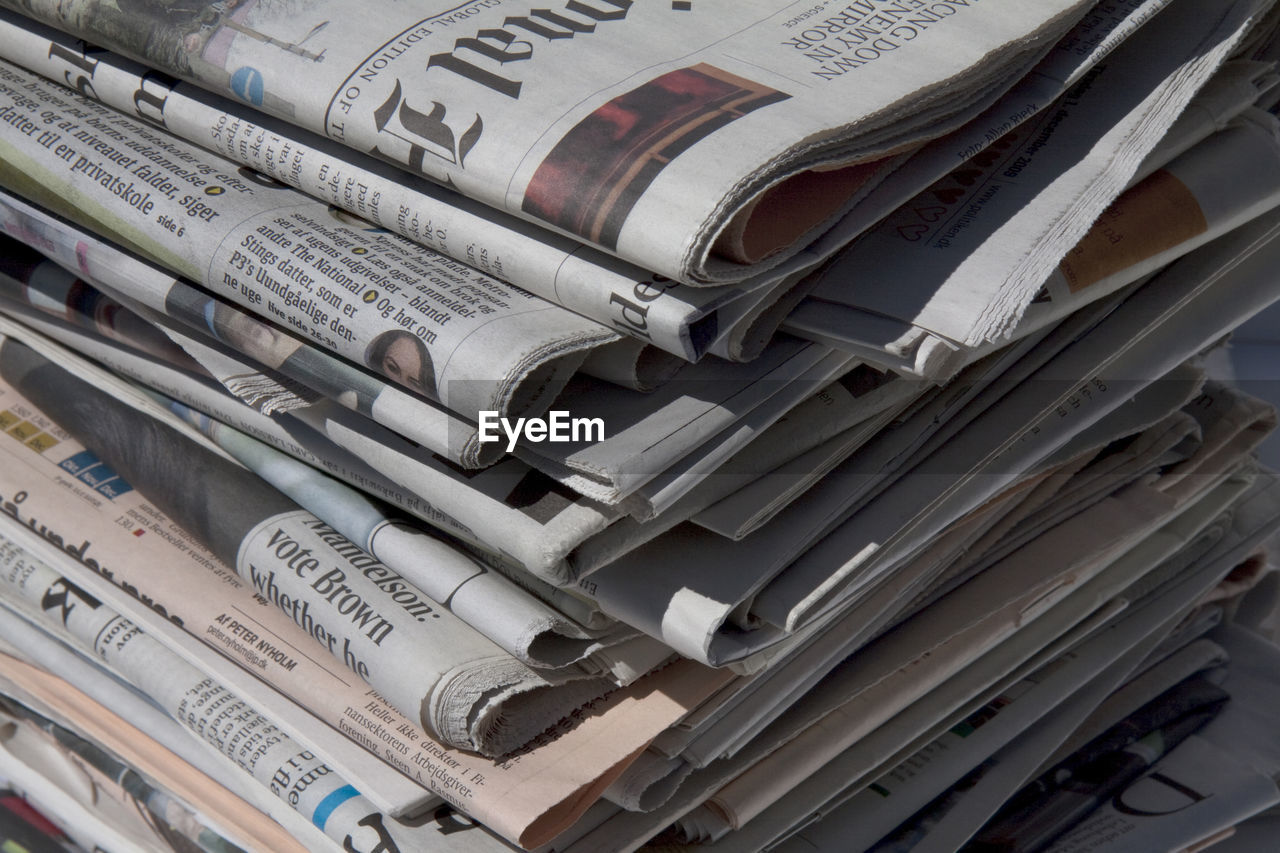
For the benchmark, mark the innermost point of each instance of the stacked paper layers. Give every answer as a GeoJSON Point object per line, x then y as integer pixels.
{"type": "Point", "coordinates": [635, 425]}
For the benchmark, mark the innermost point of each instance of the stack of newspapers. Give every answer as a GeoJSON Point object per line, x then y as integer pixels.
{"type": "Point", "coordinates": [733, 425]}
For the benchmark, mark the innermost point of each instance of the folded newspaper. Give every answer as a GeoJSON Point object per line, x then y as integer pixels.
{"type": "Point", "coordinates": [682, 320]}
{"type": "Point", "coordinates": [437, 328]}
{"type": "Point", "coordinates": [914, 595]}
{"type": "Point", "coordinates": [921, 284]}
{"type": "Point", "coordinates": [674, 317]}
{"type": "Point", "coordinates": [697, 144]}
{"type": "Point", "coordinates": [423, 659]}
{"type": "Point", "coordinates": [159, 576]}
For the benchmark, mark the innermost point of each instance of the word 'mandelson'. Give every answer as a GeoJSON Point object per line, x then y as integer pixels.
{"type": "Point", "coordinates": [327, 563]}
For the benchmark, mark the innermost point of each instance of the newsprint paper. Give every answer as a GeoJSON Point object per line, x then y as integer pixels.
{"type": "Point", "coordinates": [428, 323]}
{"type": "Point", "coordinates": [664, 132]}
{"type": "Point", "coordinates": [132, 554]}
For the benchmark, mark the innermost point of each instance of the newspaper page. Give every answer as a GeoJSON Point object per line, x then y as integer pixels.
{"type": "Point", "coordinates": [746, 509]}
{"type": "Point", "coordinates": [1101, 461]}
{"type": "Point", "coordinates": [1251, 521]}
{"type": "Point", "coordinates": [943, 826]}
{"type": "Point", "coordinates": [431, 324]}
{"type": "Point", "coordinates": [34, 769]}
{"type": "Point", "coordinates": [660, 493]}
{"type": "Point", "coordinates": [524, 800]}
{"type": "Point", "coordinates": [698, 627]}
{"type": "Point", "coordinates": [382, 628]}
{"type": "Point", "coordinates": [1191, 795]}
{"type": "Point", "coordinates": [734, 724]}
{"type": "Point", "coordinates": [842, 413]}
{"type": "Point", "coordinates": [1163, 444]}
{"type": "Point", "coordinates": [894, 797]}
{"type": "Point", "coordinates": [509, 510]}
{"type": "Point", "coordinates": [705, 115]}
{"type": "Point", "coordinates": [938, 642]}
{"type": "Point", "coordinates": [1228, 768]}
{"type": "Point", "coordinates": [640, 443]}
{"type": "Point", "coordinates": [724, 730]}
{"type": "Point", "coordinates": [859, 394]}
{"type": "Point", "coordinates": [947, 240]}
{"type": "Point", "coordinates": [702, 623]}
{"type": "Point", "coordinates": [303, 374]}
{"type": "Point", "coordinates": [877, 462]}
{"type": "Point", "coordinates": [908, 789]}
{"type": "Point", "coordinates": [487, 601]}
{"type": "Point", "coordinates": [676, 318]}
{"type": "Point", "coordinates": [207, 708]}
{"type": "Point", "coordinates": [1219, 197]}
{"type": "Point", "coordinates": [710, 409]}
{"type": "Point", "coordinates": [97, 687]}
{"type": "Point", "coordinates": [1160, 671]}
{"type": "Point", "coordinates": [549, 531]}
{"type": "Point", "coordinates": [631, 363]}
{"type": "Point", "coordinates": [704, 782]}
{"type": "Point", "coordinates": [271, 651]}
{"type": "Point", "coordinates": [814, 796]}
{"type": "Point", "coordinates": [743, 512]}
{"type": "Point", "coordinates": [1191, 305]}
{"type": "Point", "coordinates": [1237, 86]}
{"type": "Point", "coordinates": [160, 793]}
{"type": "Point", "coordinates": [748, 716]}
{"type": "Point", "coordinates": [1095, 36]}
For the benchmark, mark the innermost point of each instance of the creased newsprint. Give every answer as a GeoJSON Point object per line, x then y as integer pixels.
{"type": "Point", "coordinates": [75, 682]}
{"type": "Point", "coordinates": [51, 740]}
{"type": "Point", "coordinates": [971, 251]}
{"type": "Point", "coordinates": [885, 748]}
{"type": "Point", "coordinates": [216, 714]}
{"type": "Point", "coordinates": [1197, 300]}
{"type": "Point", "coordinates": [435, 326]}
{"type": "Point", "coordinates": [509, 510]}
{"type": "Point", "coordinates": [712, 410]}
{"type": "Point", "coordinates": [651, 308]}
{"type": "Point", "coordinates": [97, 518]}
{"type": "Point", "coordinates": [518, 517]}
{"type": "Point", "coordinates": [206, 708]}
{"type": "Point", "coordinates": [149, 288]}
{"type": "Point", "coordinates": [661, 131]}
{"type": "Point", "coordinates": [418, 655]}
{"type": "Point", "coordinates": [493, 605]}
{"type": "Point", "coordinates": [54, 302]}
{"type": "Point", "coordinates": [1212, 781]}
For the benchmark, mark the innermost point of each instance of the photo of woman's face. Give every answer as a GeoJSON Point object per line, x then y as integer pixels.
{"type": "Point", "coordinates": [402, 363]}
